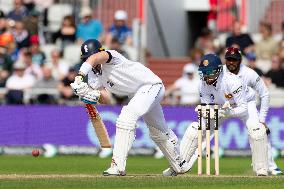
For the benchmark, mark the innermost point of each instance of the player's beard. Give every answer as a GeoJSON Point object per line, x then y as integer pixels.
{"type": "Point", "coordinates": [210, 81]}
{"type": "Point", "coordinates": [233, 67]}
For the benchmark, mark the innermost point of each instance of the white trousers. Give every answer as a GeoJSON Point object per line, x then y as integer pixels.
{"type": "Point", "coordinates": [253, 114]}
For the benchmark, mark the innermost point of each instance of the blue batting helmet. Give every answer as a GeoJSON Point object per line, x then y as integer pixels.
{"type": "Point", "coordinates": [89, 47]}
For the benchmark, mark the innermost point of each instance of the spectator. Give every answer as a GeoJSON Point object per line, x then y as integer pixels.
{"type": "Point", "coordinates": [243, 40]}
{"type": "Point", "coordinates": [29, 4]}
{"type": "Point", "coordinates": [19, 12]}
{"type": "Point", "coordinates": [205, 41]}
{"type": "Point", "coordinates": [43, 6]}
{"type": "Point", "coordinates": [67, 32]}
{"type": "Point", "coordinates": [280, 36]}
{"type": "Point", "coordinates": [212, 15]}
{"type": "Point", "coordinates": [116, 45]}
{"type": "Point", "coordinates": [6, 37]}
{"type": "Point", "coordinates": [89, 28]}
{"type": "Point", "coordinates": [251, 58]}
{"type": "Point", "coordinates": [187, 86]}
{"type": "Point", "coordinates": [64, 87]}
{"type": "Point", "coordinates": [31, 68]}
{"type": "Point", "coordinates": [268, 45]}
{"type": "Point", "coordinates": [7, 41]}
{"type": "Point", "coordinates": [59, 66]}
{"type": "Point", "coordinates": [38, 57]}
{"type": "Point", "coordinates": [3, 23]}
{"type": "Point", "coordinates": [119, 29]}
{"type": "Point", "coordinates": [17, 83]}
{"type": "Point", "coordinates": [195, 55]}
{"type": "Point", "coordinates": [6, 64]}
{"type": "Point", "coordinates": [31, 22]}
{"type": "Point", "coordinates": [21, 35]}
{"type": "Point", "coordinates": [275, 75]}
{"type": "Point", "coordinates": [282, 31]}
{"type": "Point", "coordinates": [281, 50]}
{"type": "Point", "coordinates": [47, 82]}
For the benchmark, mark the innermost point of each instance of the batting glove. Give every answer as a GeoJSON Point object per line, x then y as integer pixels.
{"type": "Point", "coordinates": [79, 88]}
{"type": "Point", "coordinates": [91, 97]}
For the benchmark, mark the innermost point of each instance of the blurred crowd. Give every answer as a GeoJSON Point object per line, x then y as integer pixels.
{"type": "Point", "coordinates": [38, 60]}
{"type": "Point", "coordinates": [262, 51]}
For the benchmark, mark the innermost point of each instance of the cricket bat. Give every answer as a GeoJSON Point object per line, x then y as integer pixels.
{"type": "Point", "coordinates": [99, 126]}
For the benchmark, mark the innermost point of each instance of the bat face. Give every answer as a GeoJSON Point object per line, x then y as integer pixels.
{"type": "Point", "coordinates": [99, 126]}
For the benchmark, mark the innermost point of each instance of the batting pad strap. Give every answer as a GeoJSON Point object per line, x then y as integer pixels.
{"type": "Point", "coordinates": [255, 129]}
{"type": "Point", "coordinates": [259, 153]}
{"type": "Point", "coordinates": [168, 144]}
{"type": "Point", "coordinates": [127, 119]}
{"type": "Point", "coordinates": [258, 140]}
{"type": "Point", "coordinates": [85, 68]}
{"type": "Point", "coordinates": [189, 141]}
{"type": "Point", "coordinates": [123, 141]}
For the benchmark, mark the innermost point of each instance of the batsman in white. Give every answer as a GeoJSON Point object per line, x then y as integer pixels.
{"type": "Point", "coordinates": [227, 90]}
{"type": "Point", "coordinates": [108, 69]}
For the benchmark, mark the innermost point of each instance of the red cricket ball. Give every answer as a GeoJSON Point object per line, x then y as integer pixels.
{"type": "Point", "coordinates": [35, 152]}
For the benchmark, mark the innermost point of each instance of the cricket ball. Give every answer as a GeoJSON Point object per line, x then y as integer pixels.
{"type": "Point", "coordinates": [35, 152]}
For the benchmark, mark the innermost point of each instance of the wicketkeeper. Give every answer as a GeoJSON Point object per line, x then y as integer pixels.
{"type": "Point", "coordinates": [228, 91]}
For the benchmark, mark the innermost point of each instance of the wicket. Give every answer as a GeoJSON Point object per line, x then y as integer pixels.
{"type": "Point", "coordinates": [207, 135]}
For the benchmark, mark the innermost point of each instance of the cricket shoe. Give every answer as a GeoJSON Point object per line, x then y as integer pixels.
{"type": "Point", "coordinates": [275, 171]}
{"type": "Point", "coordinates": [261, 172]}
{"type": "Point", "coordinates": [170, 172]}
{"type": "Point", "coordinates": [113, 170]}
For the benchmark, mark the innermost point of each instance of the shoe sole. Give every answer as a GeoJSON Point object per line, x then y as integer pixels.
{"type": "Point", "coordinates": [107, 174]}
{"type": "Point", "coordinates": [261, 175]}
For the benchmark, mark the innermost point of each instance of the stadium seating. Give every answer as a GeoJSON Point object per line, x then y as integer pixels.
{"type": "Point", "coordinates": [167, 69]}
{"type": "Point", "coordinates": [56, 13]}
{"type": "Point", "coordinates": [47, 49]}
{"type": "Point", "coordinates": [6, 5]}
{"type": "Point", "coordinates": [276, 97]}
{"type": "Point", "coordinates": [72, 54]}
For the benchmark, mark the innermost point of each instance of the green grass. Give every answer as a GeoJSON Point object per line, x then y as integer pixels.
{"type": "Point", "coordinates": [143, 172]}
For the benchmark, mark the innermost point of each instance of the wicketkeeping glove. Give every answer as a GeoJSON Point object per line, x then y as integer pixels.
{"type": "Point", "coordinates": [225, 112]}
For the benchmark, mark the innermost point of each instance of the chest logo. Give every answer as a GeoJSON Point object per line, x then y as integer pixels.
{"type": "Point", "coordinates": [228, 96]}
{"type": "Point", "coordinates": [212, 97]}
{"type": "Point", "coordinates": [111, 84]}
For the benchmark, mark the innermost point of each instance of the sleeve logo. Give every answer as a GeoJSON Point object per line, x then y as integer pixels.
{"type": "Point", "coordinates": [257, 80]}
{"type": "Point", "coordinates": [238, 90]}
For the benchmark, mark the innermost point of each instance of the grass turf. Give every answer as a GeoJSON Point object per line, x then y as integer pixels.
{"type": "Point", "coordinates": [143, 172]}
